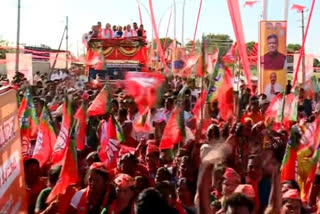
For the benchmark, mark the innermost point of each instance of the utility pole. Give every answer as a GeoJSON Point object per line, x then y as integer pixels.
{"type": "Point", "coordinates": [67, 37]}
{"type": "Point", "coordinates": [18, 37]}
{"type": "Point", "coordinates": [302, 52]}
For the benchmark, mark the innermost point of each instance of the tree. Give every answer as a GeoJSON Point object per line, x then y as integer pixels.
{"type": "Point", "coordinates": [292, 48]}
{"type": "Point", "coordinates": [316, 62]}
{"type": "Point", "coordinates": [162, 40]}
{"type": "Point", "coordinates": [221, 41]}
{"type": "Point", "coordinates": [4, 43]}
{"type": "Point", "coordinates": [249, 46]}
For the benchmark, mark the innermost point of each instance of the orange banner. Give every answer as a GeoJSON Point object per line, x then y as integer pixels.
{"type": "Point", "coordinates": [273, 57]}
{"type": "Point", "coordinates": [12, 183]}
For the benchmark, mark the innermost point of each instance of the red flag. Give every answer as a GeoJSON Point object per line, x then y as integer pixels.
{"type": "Point", "coordinates": [196, 111]}
{"type": "Point", "coordinates": [225, 95]}
{"type": "Point", "coordinates": [235, 14]}
{"type": "Point", "coordinates": [46, 138]}
{"type": "Point", "coordinates": [190, 62]}
{"type": "Point", "coordinates": [144, 88]}
{"type": "Point", "coordinates": [250, 3]}
{"type": "Point", "coordinates": [101, 103]}
{"type": "Point", "coordinates": [62, 139]}
{"type": "Point", "coordinates": [81, 126]}
{"type": "Point", "coordinates": [69, 171]}
{"type": "Point", "coordinates": [174, 131]}
{"type": "Point", "coordinates": [200, 71]}
{"type": "Point", "coordinates": [289, 162]}
{"type": "Point", "coordinates": [143, 124]}
{"type": "Point", "coordinates": [110, 147]}
{"type": "Point", "coordinates": [231, 55]}
{"type": "Point", "coordinates": [298, 7]}
{"type": "Point", "coordinates": [272, 111]}
{"type": "Point", "coordinates": [253, 56]}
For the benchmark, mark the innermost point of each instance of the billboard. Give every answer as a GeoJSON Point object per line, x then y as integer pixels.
{"type": "Point", "coordinates": [25, 66]}
{"type": "Point", "coordinates": [12, 181]}
{"type": "Point", "coordinates": [273, 57]}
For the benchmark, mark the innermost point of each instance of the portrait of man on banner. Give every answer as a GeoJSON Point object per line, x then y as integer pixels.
{"type": "Point", "coordinates": [273, 59]}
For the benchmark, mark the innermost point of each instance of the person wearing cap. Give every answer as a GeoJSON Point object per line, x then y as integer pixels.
{"type": "Point", "coordinates": [152, 159]}
{"type": "Point", "coordinates": [231, 180]}
{"type": "Point", "coordinates": [96, 196]}
{"type": "Point", "coordinates": [291, 202]}
{"type": "Point", "coordinates": [125, 194]}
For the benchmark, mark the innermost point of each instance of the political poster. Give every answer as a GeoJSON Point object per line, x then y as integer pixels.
{"type": "Point", "coordinates": [12, 182]}
{"type": "Point", "coordinates": [25, 66]}
{"type": "Point", "coordinates": [308, 68]}
{"type": "Point", "coordinates": [273, 57]}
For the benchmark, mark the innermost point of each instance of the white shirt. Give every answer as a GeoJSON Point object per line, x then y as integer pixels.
{"type": "Point", "coordinates": [277, 88]}
{"type": "Point", "coordinates": [107, 33]}
{"type": "Point", "coordinates": [131, 33]}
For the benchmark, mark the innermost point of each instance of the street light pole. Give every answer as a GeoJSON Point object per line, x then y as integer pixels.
{"type": "Point", "coordinates": [18, 37]}
{"type": "Point", "coordinates": [302, 51]}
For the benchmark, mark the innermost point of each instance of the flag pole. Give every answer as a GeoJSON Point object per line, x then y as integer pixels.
{"type": "Point", "coordinates": [18, 37]}
{"type": "Point", "coordinates": [182, 29]}
{"type": "Point", "coordinates": [265, 10]}
{"type": "Point", "coordinates": [286, 7]}
{"type": "Point", "coordinates": [203, 56]}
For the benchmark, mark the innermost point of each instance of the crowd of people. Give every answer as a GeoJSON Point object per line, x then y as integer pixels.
{"type": "Point", "coordinates": [233, 166]}
{"type": "Point", "coordinates": [127, 31]}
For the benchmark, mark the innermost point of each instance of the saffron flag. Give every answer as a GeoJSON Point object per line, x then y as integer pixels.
{"type": "Point", "coordinates": [81, 126]}
{"type": "Point", "coordinates": [69, 170]}
{"type": "Point", "coordinates": [225, 95]}
{"type": "Point", "coordinates": [110, 147]}
{"type": "Point", "coordinates": [212, 60]}
{"type": "Point", "coordinates": [63, 136]}
{"type": "Point", "coordinates": [298, 7]}
{"type": "Point", "coordinates": [272, 111]}
{"type": "Point", "coordinates": [196, 111]}
{"type": "Point", "coordinates": [174, 132]}
{"type": "Point", "coordinates": [28, 123]}
{"type": "Point", "coordinates": [289, 161]}
{"type": "Point", "coordinates": [235, 15]}
{"type": "Point", "coordinates": [189, 62]}
{"type": "Point", "coordinates": [46, 138]}
{"type": "Point", "coordinates": [144, 87]}
{"type": "Point", "coordinates": [306, 190]}
{"type": "Point", "coordinates": [250, 3]}
{"type": "Point", "coordinates": [143, 124]}
{"type": "Point", "coordinates": [231, 55]}
{"type": "Point", "coordinates": [101, 103]}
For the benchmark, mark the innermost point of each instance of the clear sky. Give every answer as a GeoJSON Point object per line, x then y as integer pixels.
{"type": "Point", "coordinates": [42, 21]}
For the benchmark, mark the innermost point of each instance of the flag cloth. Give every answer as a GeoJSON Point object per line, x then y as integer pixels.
{"type": "Point", "coordinates": [235, 15]}
{"type": "Point", "coordinates": [174, 132]}
{"type": "Point", "coordinates": [231, 55]}
{"type": "Point", "coordinates": [290, 109]}
{"type": "Point", "coordinates": [225, 96]}
{"type": "Point", "coordinates": [101, 103]}
{"type": "Point", "coordinates": [29, 123]}
{"type": "Point", "coordinates": [196, 111]}
{"type": "Point", "coordinates": [143, 124]}
{"type": "Point", "coordinates": [289, 161]}
{"type": "Point", "coordinates": [272, 111]}
{"type": "Point", "coordinates": [212, 60]}
{"type": "Point", "coordinates": [250, 3]}
{"type": "Point", "coordinates": [189, 62]}
{"type": "Point", "coordinates": [298, 7]}
{"type": "Point", "coordinates": [253, 56]}
{"type": "Point", "coordinates": [46, 138]}
{"type": "Point", "coordinates": [63, 136]}
{"type": "Point", "coordinates": [110, 147]}
{"type": "Point", "coordinates": [81, 126]}
{"type": "Point", "coordinates": [144, 87]}
{"type": "Point", "coordinates": [69, 170]}
{"type": "Point", "coordinates": [306, 190]}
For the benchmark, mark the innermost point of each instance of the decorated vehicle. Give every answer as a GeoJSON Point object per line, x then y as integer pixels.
{"type": "Point", "coordinates": [110, 58]}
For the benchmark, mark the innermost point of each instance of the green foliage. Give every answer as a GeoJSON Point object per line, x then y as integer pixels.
{"type": "Point", "coordinates": [292, 48]}
{"type": "Point", "coordinates": [316, 62]}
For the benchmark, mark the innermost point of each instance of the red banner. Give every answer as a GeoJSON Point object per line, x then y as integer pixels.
{"type": "Point", "coordinates": [235, 15]}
